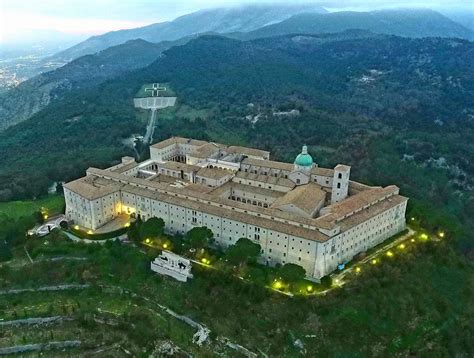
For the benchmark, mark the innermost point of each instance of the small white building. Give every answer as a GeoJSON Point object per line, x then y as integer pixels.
{"type": "Point", "coordinates": [172, 265]}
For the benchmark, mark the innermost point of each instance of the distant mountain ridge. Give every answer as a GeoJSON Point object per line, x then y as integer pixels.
{"type": "Point", "coordinates": [31, 96]}
{"type": "Point", "coordinates": [407, 23]}
{"type": "Point", "coordinates": [221, 20]}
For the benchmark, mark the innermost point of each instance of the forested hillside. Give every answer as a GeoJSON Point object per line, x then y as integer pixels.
{"type": "Point", "coordinates": [31, 96]}
{"type": "Point", "coordinates": [398, 110]}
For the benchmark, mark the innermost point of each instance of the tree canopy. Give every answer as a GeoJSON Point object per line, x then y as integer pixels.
{"type": "Point", "coordinates": [243, 251]}
{"type": "Point", "coordinates": [291, 273]}
{"type": "Point", "coordinates": [199, 237]}
{"type": "Point", "coordinates": [153, 227]}
{"type": "Point", "coordinates": [5, 253]}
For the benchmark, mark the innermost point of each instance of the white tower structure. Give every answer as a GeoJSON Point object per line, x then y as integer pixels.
{"type": "Point", "coordinates": [340, 183]}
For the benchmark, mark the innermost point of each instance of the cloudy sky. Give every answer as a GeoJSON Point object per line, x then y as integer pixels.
{"type": "Point", "coordinates": [20, 19]}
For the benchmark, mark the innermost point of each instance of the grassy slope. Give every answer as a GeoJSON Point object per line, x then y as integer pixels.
{"type": "Point", "coordinates": [16, 209]}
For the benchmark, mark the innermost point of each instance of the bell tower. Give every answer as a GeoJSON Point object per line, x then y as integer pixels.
{"type": "Point", "coordinates": [340, 183]}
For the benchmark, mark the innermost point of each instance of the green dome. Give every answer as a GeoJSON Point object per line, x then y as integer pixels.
{"type": "Point", "coordinates": [304, 159]}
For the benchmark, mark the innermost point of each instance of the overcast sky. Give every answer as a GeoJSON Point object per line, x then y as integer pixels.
{"type": "Point", "coordinates": [82, 18]}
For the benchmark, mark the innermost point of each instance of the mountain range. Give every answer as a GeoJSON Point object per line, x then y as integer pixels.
{"type": "Point", "coordinates": [270, 20]}
{"type": "Point", "coordinates": [221, 20]}
{"type": "Point", "coordinates": [32, 95]}
{"type": "Point", "coordinates": [408, 23]}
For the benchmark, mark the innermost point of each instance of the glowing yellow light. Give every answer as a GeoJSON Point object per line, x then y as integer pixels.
{"type": "Point", "coordinates": [412, 219]}
{"type": "Point", "coordinates": [401, 246]}
{"type": "Point", "coordinates": [424, 236]}
{"type": "Point", "coordinates": [90, 232]}
{"type": "Point", "coordinates": [76, 227]}
{"type": "Point", "coordinates": [203, 260]}
{"type": "Point", "coordinates": [278, 285]}
{"type": "Point", "coordinates": [441, 234]}
{"type": "Point", "coordinates": [45, 216]}
{"type": "Point", "coordinates": [389, 253]}
{"type": "Point", "coordinates": [412, 240]}
{"type": "Point", "coordinates": [127, 225]}
{"type": "Point", "coordinates": [147, 241]}
{"type": "Point", "coordinates": [358, 269]}
{"type": "Point", "coordinates": [373, 262]}
{"type": "Point", "coordinates": [309, 288]}
{"type": "Point", "coordinates": [165, 246]}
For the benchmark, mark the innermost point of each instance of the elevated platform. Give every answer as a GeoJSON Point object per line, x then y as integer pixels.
{"type": "Point", "coordinates": [154, 103]}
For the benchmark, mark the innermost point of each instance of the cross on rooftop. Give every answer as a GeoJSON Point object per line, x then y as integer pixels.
{"type": "Point", "coordinates": [155, 90]}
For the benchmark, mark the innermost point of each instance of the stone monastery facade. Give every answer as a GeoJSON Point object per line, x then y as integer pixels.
{"type": "Point", "coordinates": [299, 213]}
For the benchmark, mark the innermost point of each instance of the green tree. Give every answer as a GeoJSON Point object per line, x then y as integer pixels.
{"type": "Point", "coordinates": [326, 281]}
{"type": "Point", "coordinates": [133, 232]}
{"type": "Point", "coordinates": [244, 251]}
{"type": "Point", "coordinates": [153, 227]}
{"type": "Point", "coordinates": [199, 237]}
{"type": "Point", "coordinates": [39, 217]}
{"type": "Point", "coordinates": [5, 253]}
{"type": "Point", "coordinates": [291, 273]}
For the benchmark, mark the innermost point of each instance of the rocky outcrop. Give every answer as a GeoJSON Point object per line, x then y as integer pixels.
{"type": "Point", "coordinates": [21, 102]}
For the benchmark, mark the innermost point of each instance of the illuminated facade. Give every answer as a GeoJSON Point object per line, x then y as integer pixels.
{"type": "Point", "coordinates": [299, 213]}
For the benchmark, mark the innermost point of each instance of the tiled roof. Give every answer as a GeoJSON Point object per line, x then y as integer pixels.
{"type": "Point", "coordinates": [305, 197]}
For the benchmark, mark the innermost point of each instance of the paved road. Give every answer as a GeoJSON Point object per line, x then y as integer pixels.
{"type": "Point", "coordinates": [338, 278]}
{"type": "Point", "coordinates": [49, 225]}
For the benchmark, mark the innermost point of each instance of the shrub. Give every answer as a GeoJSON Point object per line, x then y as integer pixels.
{"type": "Point", "coordinates": [5, 253]}
{"type": "Point", "coordinates": [243, 251]}
{"type": "Point", "coordinates": [326, 281]}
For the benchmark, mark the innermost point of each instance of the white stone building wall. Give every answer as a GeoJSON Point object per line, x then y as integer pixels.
{"type": "Point", "coordinates": [343, 247]}
{"type": "Point", "coordinates": [340, 184]}
{"type": "Point", "coordinates": [78, 209]}
{"type": "Point", "coordinates": [318, 259]}
{"type": "Point", "coordinates": [324, 181]}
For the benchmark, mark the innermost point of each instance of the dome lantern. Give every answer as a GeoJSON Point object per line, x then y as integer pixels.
{"type": "Point", "coordinates": [304, 160]}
